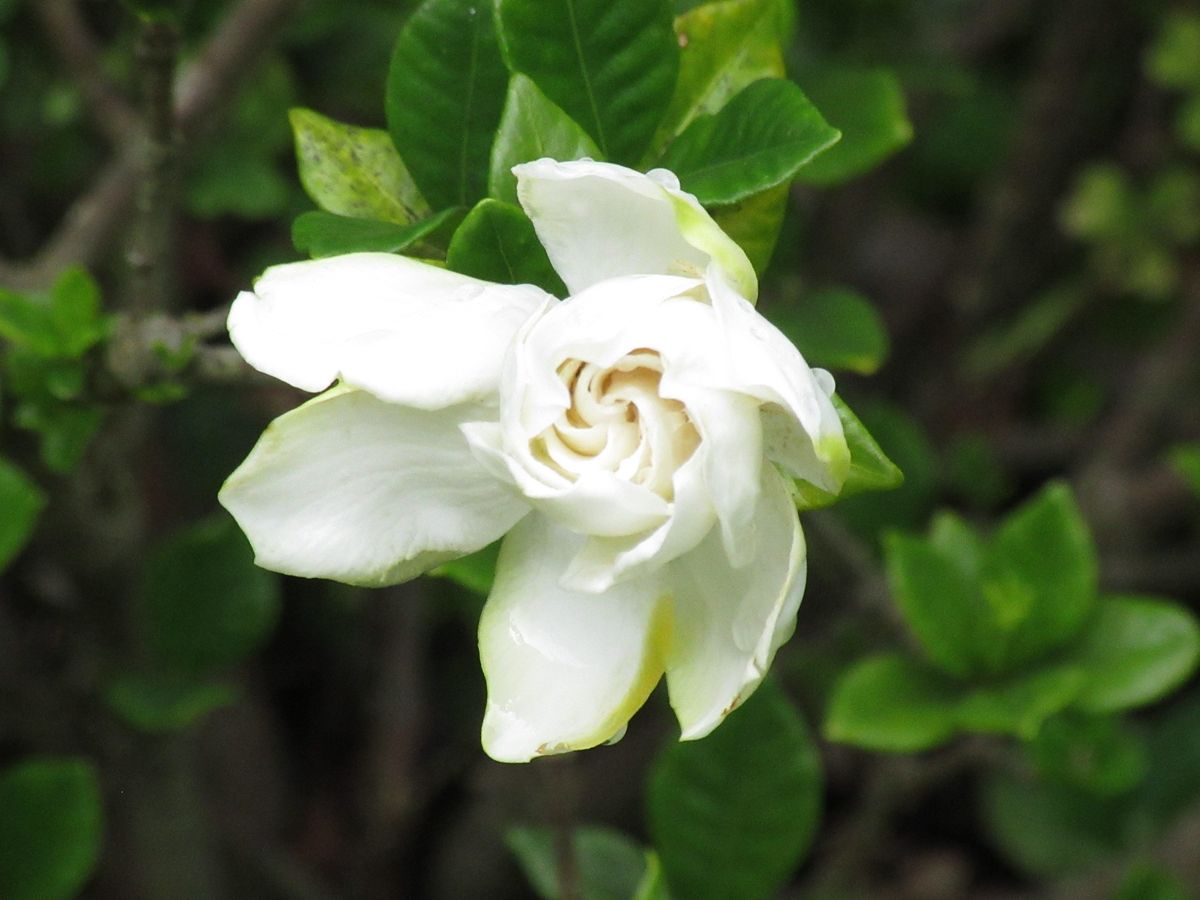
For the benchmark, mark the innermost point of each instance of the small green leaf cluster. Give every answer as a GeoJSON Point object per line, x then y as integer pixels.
{"type": "Point", "coordinates": [702, 94]}
{"type": "Point", "coordinates": [1136, 233]}
{"type": "Point", "coordinates": [203, 608]}
{"type": "Point", "coordinates": [1173, 62]}
{"type": "Point", "coordinates": [1011, 631]}
{"type": "Point", "coordinates": [1096, 790]}
{"type": "Point", "coordinates": [44, 341]}
{"type": "Point", "coordinates": [730, 816]}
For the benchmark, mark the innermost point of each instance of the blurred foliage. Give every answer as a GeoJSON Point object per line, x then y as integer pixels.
{"type": "Point", "coordinates": [1003, 623]}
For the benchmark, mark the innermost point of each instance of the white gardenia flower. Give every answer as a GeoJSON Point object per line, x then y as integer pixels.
{"type": "Point", "coordinates": [635, 442]}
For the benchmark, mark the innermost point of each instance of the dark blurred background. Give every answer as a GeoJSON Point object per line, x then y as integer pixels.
{"type": "Point", "coordinates": [1035, 253]}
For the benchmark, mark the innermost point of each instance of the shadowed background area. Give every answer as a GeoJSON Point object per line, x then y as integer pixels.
{"type": "Point", "coordinates": [1001, 265]}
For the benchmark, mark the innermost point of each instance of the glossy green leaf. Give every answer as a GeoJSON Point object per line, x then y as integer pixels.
{"type": "Point", "coordinates": [445, 92]}
{"type": "Point", "coordinates": [754, 223]}
{"type": "Point", "coordinates": [354, 172]}
{"type": "Point", "coordinates": [870, 468]}
{"type": "Point", "coordinates": [891, 703]}
{"type": "Point", "coordinates": [758, 140]}
{"type": "Point", "coordinates": [207, 605]}
{"type": "Point", "coordinates": [1020, 705]}
{"type": "Point", "coordinates": [1135, 650]}
{"type": "Point", "coordinates": [836, 328]}
{"type": "Point", "coordinates": [1040, 575]}
{"type": "Point", "coordinates": [51, 826]}
{"type": "Point", "coordinates": [21, 501]}
{"type": "Point", "coordinates": [321, 234]}
{"type": "Point", "coordinates": [496, 242]}
{"type": "Point", "coordinates": [610, 865]}
{"type": "Point", "coordinates": [940, 602]}
{"type": "Point", "coordinates": [733, 815]}
{"type": "Point", "coordinates": [724, 47]}
{"type": "Point", "coordinates": [532, 127]}
{"type": "Point", "coordinates": [610, 65]}
{"type": "Point", "coordinates": [156, 704]}
{"type": "Point", "coordinates": [867, 106]}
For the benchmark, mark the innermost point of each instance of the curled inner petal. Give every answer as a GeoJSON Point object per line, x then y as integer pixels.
{"type": "Point", "coordinates": [617, 421]}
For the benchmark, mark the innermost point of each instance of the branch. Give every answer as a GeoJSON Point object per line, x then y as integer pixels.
{"type": "Point", "coordinates": [93, 222]}
{"type": "Point", "coordinates": [68, 35]}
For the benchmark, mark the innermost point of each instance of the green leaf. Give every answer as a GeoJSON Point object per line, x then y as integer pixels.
{"type": "Point", "coordinates": [653, 885]}
{"type": "Point", "coordinates": [890, 703]}
{"type": "Point", "coordinates": [354, 172]}
{"type": "Point", "coordinates": [75, 313]}
{"type": "Point", "coordinates": [758, 140]}
{"type": "Point", "coordinates": [1020, 705]}
{"type": "Point", "coordinates": [754, 223]}
{"type": "Point", "coordinates": [476, 571]}
{"type": "Point", "coordinates": [941, 603]}
{"type": "Point", "coordinates": [610, 65]}
{"type": "Point", "coordinates": [1135, 650]}
{"type": "Point", "coordinates": [22, 502]}
{"type": "Point", "coordinates": [836, 328]}
{"type": "Point", "coordinates": [1050, 830]}
{"type": "Point", "coordinates": [321, 234]}
{"type": "Point", "coordinates": [725, 46]}
{"type": "Point", "coordinates": [207, 605]}
{"type": "Point", "coordinates": [532, 127]}
{"type": "Point", "coordinates": [445, 91]}
{"type": "Point", "coordinates": [229, 182]}
{"type": "Point", "coordinates": [1174, 58]}
{"type": "Point", "coordinates": [733, 815]}
{"type": "Point", "coordinates": [1040, 574]}
{"type": "Point", "coordinates": [867, 106]}
{"type": "Point", "coordinates": [66, 432]}
{"type": "Point", "coordinates": [1147, 881]}
{"type": "Point", "coordinates": [870, 468]}
{"type": "Point", "coordinates": [610, 864]}
{"type": "Point", "coordinates": [51, 823]}
{"type": "Point", "coordinates": [63, 325]}
{"type": "Point", "coordinates": [496, 242]}
{"type": "Point", "coordinates": [156, 704]}
{"type": "Point", "coordinates": [1100, 755]}
{"type": "Point", "coordinates": [1185, 459]}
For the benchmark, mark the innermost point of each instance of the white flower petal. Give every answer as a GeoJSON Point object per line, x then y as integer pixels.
{"type": "Point", "coordinates": [602, 562]}
{"type": "Point", "coordinates": [565, 670]}
{"type": "Point", "coordinates": [404, 330]}
{"type": "Point", "coordinates": [599, 220]}
{"type": "Point", "coordinates": [366, 492]}
{"type": "Point", "coordinates": [730, 621]}
{"type": "Point", "coordinates": [806, 439]}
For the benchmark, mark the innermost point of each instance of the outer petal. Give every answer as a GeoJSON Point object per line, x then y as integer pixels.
{"type": "Point", "coordinates": [404, 330]}
{"type": "Point", "coordinates": [730, 621]}
{"type": "Point", "coordinates": [804, 435]}
{"type": "Point", "coordinates": [600, 220]}
{"type": "Point", "coordinates": [351, 488]}
{"type": "Point", "coordinates": [565, 670]}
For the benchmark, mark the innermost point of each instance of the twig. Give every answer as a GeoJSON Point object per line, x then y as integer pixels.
{"type": "Point", "coordinates": [152, 240]}
{"type": "Point", "coordinates": [93, 222]}
{"type": "Point", "coordinates": [68, 36]}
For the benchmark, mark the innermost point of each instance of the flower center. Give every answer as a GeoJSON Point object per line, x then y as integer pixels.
{"type": "Point", "coordinates": [617, 422]}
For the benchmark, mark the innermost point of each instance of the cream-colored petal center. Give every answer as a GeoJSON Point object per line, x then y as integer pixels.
{"type": "Point", "coordinates": [618, 422]}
